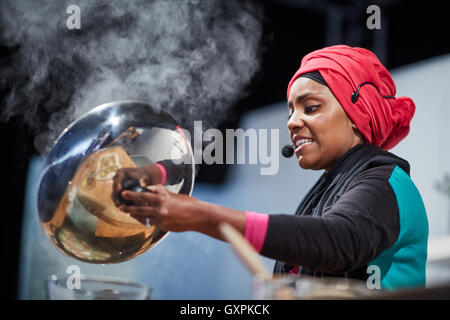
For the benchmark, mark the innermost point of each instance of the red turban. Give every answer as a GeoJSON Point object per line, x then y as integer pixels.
{"type": "Point", "coordinates": [382, 122]}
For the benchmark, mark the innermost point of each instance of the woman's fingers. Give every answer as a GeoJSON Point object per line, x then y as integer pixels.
{"type": "Point", "coordinates": [158, 189]}
{"type": "Point", "coordinates": [143, 198]}
{"type": "Point", "coordinates": [147, 205]}
{"type": "Point", "coordinates": [119, 178]}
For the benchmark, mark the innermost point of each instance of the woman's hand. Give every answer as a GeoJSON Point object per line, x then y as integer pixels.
{"type": "Point", "coordinates": [145, 176]}
{"type": "Point", "coordinates": [178, 212]}
{"type": "Point", "coordinates": [166, 210]}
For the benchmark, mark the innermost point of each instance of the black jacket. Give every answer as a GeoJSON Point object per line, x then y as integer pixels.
{"type": "Point", "coordinates": [346, 220]}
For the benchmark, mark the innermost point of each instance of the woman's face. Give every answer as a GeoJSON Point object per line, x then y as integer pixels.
{"type": "Point", "coordinates": [318, 126]}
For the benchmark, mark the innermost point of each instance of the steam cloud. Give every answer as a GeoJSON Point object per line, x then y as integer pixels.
{"type": "Point", "coordinates": [192, 58]}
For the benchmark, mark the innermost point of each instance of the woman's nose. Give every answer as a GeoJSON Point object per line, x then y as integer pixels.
{"type": "Point", "coordinates": [295, 122]}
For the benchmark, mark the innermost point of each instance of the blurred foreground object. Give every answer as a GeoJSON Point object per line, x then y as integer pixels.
{"type": "Point", "coordinates": [291, 288]}
{"type": "Point", "coordinates": [244, 251]}
{"type": "Point", "coordinates": [75, 206]}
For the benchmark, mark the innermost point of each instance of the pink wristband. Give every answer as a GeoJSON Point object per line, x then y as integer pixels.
{"type": "Point", "coordinates": [256, 225]}
{"type": "Point", "coordinates": [163, 173]}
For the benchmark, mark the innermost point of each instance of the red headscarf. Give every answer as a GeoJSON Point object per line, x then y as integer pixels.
{"type": "Point", "coordinates": [382, 122]}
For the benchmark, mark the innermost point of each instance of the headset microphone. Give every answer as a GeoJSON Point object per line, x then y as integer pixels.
{"type": "Point", "coordinates": [287, 151]}
{"type": "Point", "coordinates": [355, 95]}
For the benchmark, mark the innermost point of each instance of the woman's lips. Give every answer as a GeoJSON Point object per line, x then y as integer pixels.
{"type": "Point", "coordinates": [303, 145]}
{"type": "Point", "coordinates": [300, 142]}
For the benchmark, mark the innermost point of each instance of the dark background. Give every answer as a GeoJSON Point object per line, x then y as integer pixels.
{"type": "Point", "coordinates": [410, 32]}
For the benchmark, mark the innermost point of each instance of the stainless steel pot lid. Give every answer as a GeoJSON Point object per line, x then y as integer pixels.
{"type": "Point", "coordinates": [75, 204]}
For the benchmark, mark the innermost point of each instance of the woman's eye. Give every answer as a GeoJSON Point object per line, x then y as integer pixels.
{"type": "Point", "coordinates": [310, 109]}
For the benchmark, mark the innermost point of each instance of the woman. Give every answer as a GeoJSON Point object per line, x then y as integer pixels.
{"type": "Point", "coordinates": [364, 210]}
